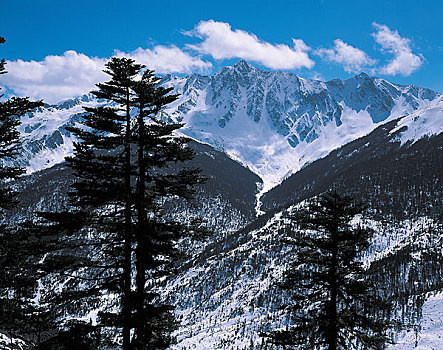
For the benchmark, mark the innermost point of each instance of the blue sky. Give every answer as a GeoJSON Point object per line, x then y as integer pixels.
{"type": "Point", "coordinates": [56, 49]}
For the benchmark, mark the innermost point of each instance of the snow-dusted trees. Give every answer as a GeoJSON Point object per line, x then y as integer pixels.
{"type": "Point", "coordinates": [333, 304]}
{"type": "Point", "coordinates": [123, 241]}
{"type": "Point", "coordinates": [16, 277]}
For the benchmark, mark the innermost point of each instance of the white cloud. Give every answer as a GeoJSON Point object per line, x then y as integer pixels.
{"type": "Point", "coordinates": [221, 42]}
{"type": "Point", "coordinates": [73, 74]}
{"type": "Point", "coordinates": [352, 58]}
{"type": "Point", "coordinates": [167, 59]}
{"type": "Point", "coordinates": [56, 77]}
{"type": "Point", "coordinates": [405, 62]}
{"type": "Point", "coordinates": [317, 76]}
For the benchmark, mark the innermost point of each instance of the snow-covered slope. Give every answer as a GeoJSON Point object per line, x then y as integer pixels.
{"type": "Point", "coordinates": [424, 122]}
{"type": "Point", "coordinates": [404, 153]}
{"type": "Point", "coordinates": [11, 343]}
{"type": "Point", "coordinates": [45, 141]}
{"type": "Point", "coordinates": [226, 299]}
{"type": "Point", "coordinates": [428, 334]}
{"type": "Point", "coordinates": [275, 122]}
{"type": "Point", "coordinates": [272, 122]}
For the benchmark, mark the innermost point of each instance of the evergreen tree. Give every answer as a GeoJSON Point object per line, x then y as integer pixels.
{"type": "Point", "coordinates": [156, 238]}
{"type": "Point", "coordinates": [334, 305]}
{"type": "Point", "coordinates": [103, 167]}
{"type": "Point", "coordinates": [17, 275]}
{"type": "Point", "coordinates": [123, 179]}
{"type": "Point", "coordinates": [10, 111]}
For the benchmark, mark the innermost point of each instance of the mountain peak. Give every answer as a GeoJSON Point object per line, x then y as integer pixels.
{"type": "Point", "coordinates": [363, 76]}
{"type": "Point", "coordinates": [243, 66]}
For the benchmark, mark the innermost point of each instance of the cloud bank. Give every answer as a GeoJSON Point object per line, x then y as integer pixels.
{"type": "Point", "coordinates": [73, 74]}
{"type": "Point", "coordinates": [59, 77]}
{"type": "Point", "coordinates": [352, 58]}
{"type": "Point", "coordinates": [405, 62]}
{"type": "Point", "coordinates": [167, 59]}
{"type": "Point", "coordinates": [56, 77]}
{"type": "Point", "coordinates": [221, 42]}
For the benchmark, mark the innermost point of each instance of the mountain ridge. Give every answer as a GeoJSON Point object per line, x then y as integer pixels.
{"type": "Point", "coordinates": [274, 123]}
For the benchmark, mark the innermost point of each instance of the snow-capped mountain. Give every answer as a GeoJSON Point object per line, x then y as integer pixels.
{"type": "Point", "coordinates": [45, 141]}
{"type": "Point", "coordinates": [407, 150]}
{"type": "Point", "coordinates": [424, 122]}
{"type": "Point", "coordinates": [272, 122]}
{"type": "Point", "coordinates": [276, 122]}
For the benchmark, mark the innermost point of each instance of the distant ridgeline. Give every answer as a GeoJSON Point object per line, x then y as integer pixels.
{"type": "Point", "coordinates": [272, 122]}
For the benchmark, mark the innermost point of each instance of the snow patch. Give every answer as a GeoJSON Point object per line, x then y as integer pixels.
{"type": "Point", "coordinates": [429, 333]}
{"type": "Point", "coordinates": [424, 122]}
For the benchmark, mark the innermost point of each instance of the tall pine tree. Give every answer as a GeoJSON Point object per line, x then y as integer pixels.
{"type": "Point", "coordinates": [103, 166]}
{"type": "Point", "coordinates": [122, 165]}
{"type": "Point", "coordinates": [334, 305]}
{"type": "Point", "coordinates": [156, 237]}
{"type": "Point", "coordinates": [17, 276]}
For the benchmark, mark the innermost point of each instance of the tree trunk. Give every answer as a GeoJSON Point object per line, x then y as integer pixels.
{"type": "Point", "coordinates": [142, 333]}
{"type": "Point", "coordinates": [126, 308]}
